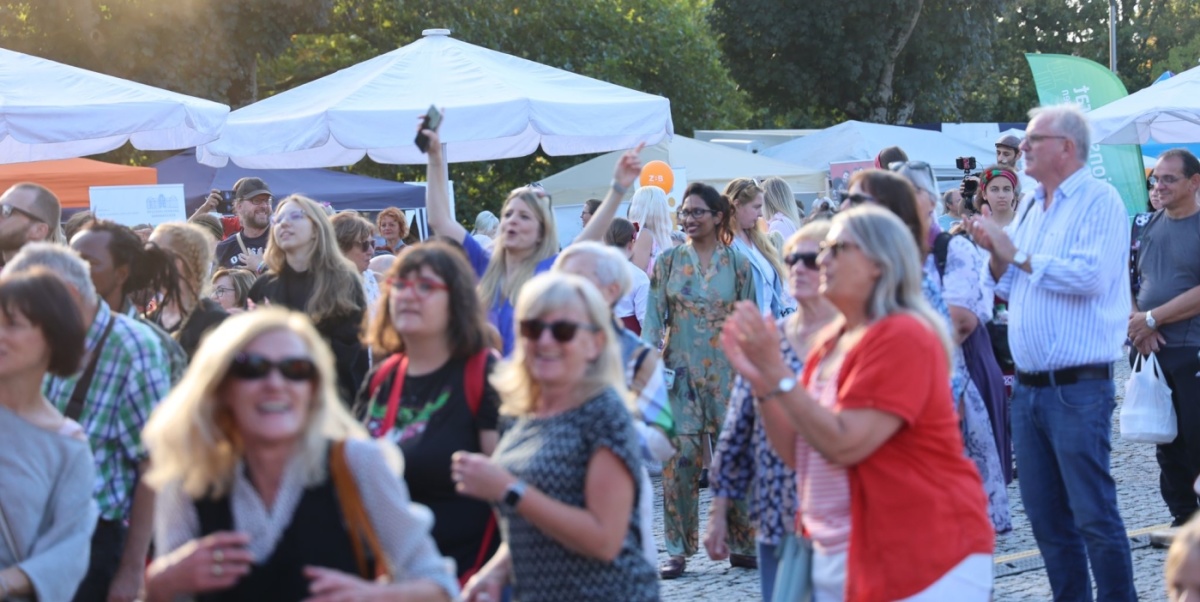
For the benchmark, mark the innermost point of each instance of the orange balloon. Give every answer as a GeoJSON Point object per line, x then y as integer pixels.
{"type": "Point", "coordinates": [658, 173]}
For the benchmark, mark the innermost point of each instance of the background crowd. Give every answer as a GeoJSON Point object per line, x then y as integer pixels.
{"type": "Point", "coordinates": [286, 403]}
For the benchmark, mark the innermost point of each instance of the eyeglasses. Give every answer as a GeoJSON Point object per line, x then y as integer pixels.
{"type": "Point", "coordinates": [808, 259]}
{"type": "Point", "coordinates": [251, 366]}
{"type": "Point", "coordinates": [422, 286]}
{"type": "Point", "coordinates": [294, 215]}
{"type": "Point", "coordinates": [367, 245]}
{"type": "Point", "coordinates": [562, 330]}
{"type": "Point", "coordinates": [1030, 139]}
{"type": "Point", "coordinates": [858, 198]}
{"type": "Point", "coordinates": [262, 199]}
{"type": "Point", "coordinates": [836, 248]}
{"type": "Point", "coordinates": [7, 211]}
{"type": "Point", "coordinates": [694, 213]}
{"type": "Point", "coordinates": [222, 291]}
{"type": "Point", "coordinates": [1168, 180]}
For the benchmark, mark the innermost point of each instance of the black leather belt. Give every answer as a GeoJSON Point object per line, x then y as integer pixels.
{"type": "Point", "coordinates": [1065, 376]}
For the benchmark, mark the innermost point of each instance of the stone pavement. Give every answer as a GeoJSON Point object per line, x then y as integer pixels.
{"type": "Point", "coordinates": [1020, 575]}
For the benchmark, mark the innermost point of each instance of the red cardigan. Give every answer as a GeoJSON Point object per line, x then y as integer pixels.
{"type": "Point", "coordinates": [917, 504]}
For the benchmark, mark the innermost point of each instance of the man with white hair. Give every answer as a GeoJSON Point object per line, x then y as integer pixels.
{"type": "Point", "coordinates": [28, 213]}
{"type": "Point", "coordinates": [124, 374]}
{"type": "Point", "coordinates": [605, 267]}
{"type": "Point", "coordinates": [1061, 265]}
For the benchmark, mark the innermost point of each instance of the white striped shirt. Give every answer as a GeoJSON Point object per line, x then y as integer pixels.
{"type": "Point", "coordinates": [1073, 308]}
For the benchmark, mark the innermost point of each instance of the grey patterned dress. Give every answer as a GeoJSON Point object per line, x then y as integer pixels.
{"type": "Point", "coordinates": [552, 454]}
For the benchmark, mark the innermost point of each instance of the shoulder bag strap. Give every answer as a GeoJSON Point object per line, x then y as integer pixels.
{"type": "Point", "coordinates": [79, 394]}
{"type": "Point", "coordinates": [363, 538]}
{"type": "Point", "coordinates": [9, 539]}
{"type": "Point", "coordinates": [476, 376]}
{"type": "Point", "coordinates": [400, 361]}
{"type": "Point", "coordinates": [241, 243]}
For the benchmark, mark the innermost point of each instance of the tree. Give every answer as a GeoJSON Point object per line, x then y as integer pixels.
{"type": "Point", "coordinates": [208, 49]}
{"type": "Point", "coordinates": [818, 62]}
{"type": "Point", "coordinates": [661, 47]}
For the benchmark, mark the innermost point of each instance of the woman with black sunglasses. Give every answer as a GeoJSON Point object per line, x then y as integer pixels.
{"type": "Point", "coordinates": [744, 464]}
{"type": "Point", "coordinates": [693, 289]}
{"type": "Point", "coordinates": [356, 239]}
{"type": "Point", "coordinates": [259, 469]}
{"type": "Point", "coordinates": [563, 475]}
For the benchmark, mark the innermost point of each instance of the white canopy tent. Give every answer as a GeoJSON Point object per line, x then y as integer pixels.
{"type": "Point", "coordinates": [49, 110]}
{"type": "Point", "coordinates": [706, 162]}
{"type": "Point", "coordinates": [859, 141]}
{"type": "Point", "coordinates": [497, 106]}
{"type": "Point", "coordinates": [1168, 112]}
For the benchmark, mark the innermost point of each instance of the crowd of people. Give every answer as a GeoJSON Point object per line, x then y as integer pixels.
{"type": "Point", "coordinates": [289, 403]}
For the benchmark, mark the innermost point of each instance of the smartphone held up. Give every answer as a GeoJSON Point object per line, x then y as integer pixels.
{"type": "Point", "coordinates": [433, 120]}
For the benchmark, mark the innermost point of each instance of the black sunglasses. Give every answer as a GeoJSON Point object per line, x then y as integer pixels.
{"type": "Point", "coordinates": [367, 245]}
{"type": "Point", "coordinates": [8, 210]}
{"type": "Point", "coordinates": [251, 366]}
{"type": "Point", "coordinates": [809, 259]}
{"type": "Point", "coordinates": [562, 330]}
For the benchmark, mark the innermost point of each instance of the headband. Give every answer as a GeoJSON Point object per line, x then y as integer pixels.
{"type": "Point", "coordinates": [991, 174]}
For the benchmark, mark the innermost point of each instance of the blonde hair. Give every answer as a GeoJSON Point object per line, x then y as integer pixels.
{"type": "Point", "coordinates": [742, 191]}
{"type": "Point", "coordinates": [778, 198]}
{"type": "Point", "coordinates": [810, 232]}
{"type": "Point", "coordinates": [193, 245]}
{"type": "Point", "coordinates": [337, 285]}
{"type": "Point", "coordinates": [191, 435]}
{"type": "Point", "coordinates": [649, 208]}
{"type": "Point", "coordinates": [545, 293]}
{"type": "Point", "coordinates": [1186, 542]}
{"type": "Point", "coordinates": [496, 284]}
{"type": "Point", "coordinates": [887, 241]}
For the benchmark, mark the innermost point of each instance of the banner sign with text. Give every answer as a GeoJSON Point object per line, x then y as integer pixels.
{"type": "Point", "coordinates": [1061, 78]}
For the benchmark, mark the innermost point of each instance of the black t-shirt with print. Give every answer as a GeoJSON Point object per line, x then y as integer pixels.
{"type": "Point", "coordinates": [229, 249]}
{"type": "Point", "coordinates": [433, 422]}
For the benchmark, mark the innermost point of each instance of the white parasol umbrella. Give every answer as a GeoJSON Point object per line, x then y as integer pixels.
{"type": "Point", "coordinates": [497, 106]}
{"type": "Point", "coordinates": [49, 110]}
{"type": "Point", "coordinates": [1168, 112]}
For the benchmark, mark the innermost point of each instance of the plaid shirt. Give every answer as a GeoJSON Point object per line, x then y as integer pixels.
{"type": "Point", "coordinates": [132, 376]}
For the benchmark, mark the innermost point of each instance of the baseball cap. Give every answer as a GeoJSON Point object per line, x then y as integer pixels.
{"type": "Point", "coordinates": [1010, 141]}
{"type": "Point", "coordinates": [247, 188]}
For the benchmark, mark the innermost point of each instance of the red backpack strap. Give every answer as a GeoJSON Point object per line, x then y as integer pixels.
{"type": "Point", "coordinates": [397, 364]}
{"type": "Point", "coordinates": [476, 376]}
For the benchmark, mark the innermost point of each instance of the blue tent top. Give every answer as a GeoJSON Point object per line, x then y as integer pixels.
{"type": "Point", "coordinates": [339, 189]}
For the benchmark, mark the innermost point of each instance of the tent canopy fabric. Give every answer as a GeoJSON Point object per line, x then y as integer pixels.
{"type": "Point", "coordinates": [859, 141]}
{"type": "Point", "coordinates": [706, 162]}
{"type": "Point", "coordinates": [1168, 112]}
{"type": "Point", "coordinates": [496, 106]}
{"type": "Point", "coordinates": [339, 189]}
{"type": "Point", "coordinates": [49, 110]}
{"type": "Point", "coordinates": [70, 179]}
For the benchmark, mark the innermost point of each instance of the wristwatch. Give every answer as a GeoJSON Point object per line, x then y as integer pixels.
{"type": "Point", "coordinates": [513, 495]}
{"type": "Point", "coordinates": [786, 384]}
{"type": "Point", "coordinates": [1151, 322]}
{"type": "Point", "coordinates": [1020, 258]}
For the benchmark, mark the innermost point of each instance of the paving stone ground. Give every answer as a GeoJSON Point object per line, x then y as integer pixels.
{"type": "Point", "coordinates": [1134, 470]}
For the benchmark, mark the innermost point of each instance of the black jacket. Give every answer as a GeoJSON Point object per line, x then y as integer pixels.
{"type": "Point", "coordinates": [292, 289]}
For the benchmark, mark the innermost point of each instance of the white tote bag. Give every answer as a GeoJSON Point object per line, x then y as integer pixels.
{"type": "Point", "coordinates": [1147, 415]}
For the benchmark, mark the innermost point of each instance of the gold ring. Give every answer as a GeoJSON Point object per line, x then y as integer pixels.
{"type": "Point", "coordinates": [218, 570]}
{"type": "Point", "coordinates": [218, 555]}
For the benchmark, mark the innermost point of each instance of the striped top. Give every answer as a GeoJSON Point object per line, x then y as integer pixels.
{"type": "Point", "coordinates": [823, 489]}
{"type": "Point", "coordinates": [1073, 308]}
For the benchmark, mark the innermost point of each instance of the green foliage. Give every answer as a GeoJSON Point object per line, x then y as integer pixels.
{"type": "Point", "coordinates": [818, 62]}
{"type": "Point", "coordinates": [657, 46]}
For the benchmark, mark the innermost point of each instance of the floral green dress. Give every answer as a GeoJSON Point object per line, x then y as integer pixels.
{"type": "Point", "coordinates": [687, 308]}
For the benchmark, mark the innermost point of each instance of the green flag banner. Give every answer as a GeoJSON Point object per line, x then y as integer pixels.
{"type": "Point", "coordinates": [1061, 78]}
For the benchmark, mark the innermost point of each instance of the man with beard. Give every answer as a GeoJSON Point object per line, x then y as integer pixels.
{"type": "Point", "coordinates": [252, 204]}
{"type": "Point", "coordinates": [28, 213]}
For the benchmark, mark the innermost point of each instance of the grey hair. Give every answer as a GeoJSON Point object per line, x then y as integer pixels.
{"type": "Point", "coordinates": [921, 179]}
{"type": "Point", "coordinates": [610, 265]}
{"type": "Point", "coordinates": [889, 243]}
{"type": "Point", "coordinates": [1068, 120]}
{"type": "Point", "coordinates": [63, 261]}
{"type": "Point", "coordinates": [486, 223]}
